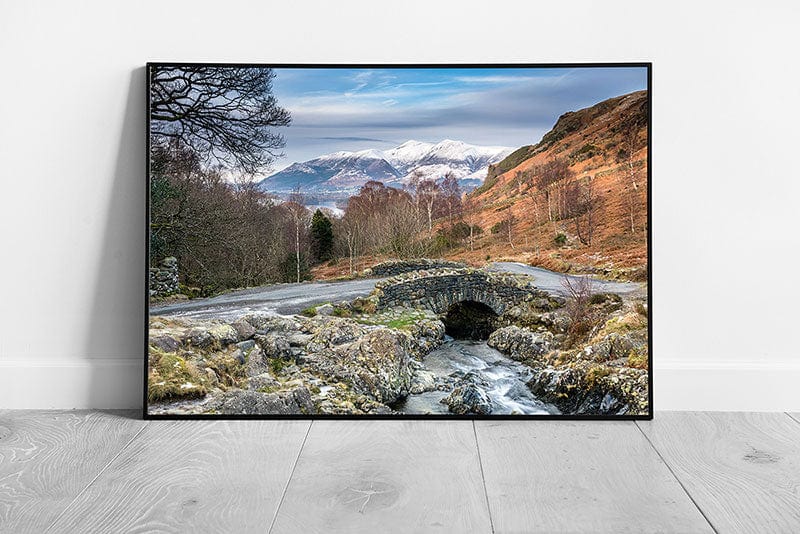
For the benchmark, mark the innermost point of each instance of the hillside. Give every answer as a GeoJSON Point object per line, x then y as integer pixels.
{"type": "Point", "coordinates": [597, 215]}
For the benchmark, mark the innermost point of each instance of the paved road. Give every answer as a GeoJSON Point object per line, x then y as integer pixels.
{"type": "Point", "coordinates": [553, 282]}
{"type": "Point", "coordinates": [287, 299]}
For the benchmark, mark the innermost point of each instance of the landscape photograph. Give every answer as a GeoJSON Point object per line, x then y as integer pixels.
{"type": "Point", "coordinates": [398, 241]}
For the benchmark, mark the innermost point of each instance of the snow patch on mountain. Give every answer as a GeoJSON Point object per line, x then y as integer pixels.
{"type": "Point", "coordinates": [343, 173]}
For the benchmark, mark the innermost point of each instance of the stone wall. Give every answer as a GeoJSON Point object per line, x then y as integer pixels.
{"type": "Point", "coordinates": [164, 278]}
{"type": "Point", "coordinates": [439, 289]}
{"type": "Point", "coordinates": [395, 267]}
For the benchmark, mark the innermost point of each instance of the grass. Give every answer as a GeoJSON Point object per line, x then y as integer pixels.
{"type": "Point", "coordinates": [171, 377]}
{"type": "Point", "coordinates": [404, 321]}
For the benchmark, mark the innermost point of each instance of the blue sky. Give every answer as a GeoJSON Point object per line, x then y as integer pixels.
{"type": "Point", "coordinates": [356, 109]}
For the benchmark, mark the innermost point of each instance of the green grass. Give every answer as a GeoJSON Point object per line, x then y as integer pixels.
{"type": "Point", "coordinates": [398, 323]}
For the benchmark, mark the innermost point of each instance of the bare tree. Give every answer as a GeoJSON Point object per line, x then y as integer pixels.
{"type": "Point", "coordinates": [630, 145]}
{"type": "Point", "coordinates": [581, 205]}
{"type": "Point", "coordinates": [451, 197]}
{"type": "Point", "coordinates": [510, 221]}
{"type": "Point", "coordinates": [300, 217]}
{"type": "Point", "coordinates": [554, 171]}
{"type": "Point", "coordinates": [225, 115]}
{"type": "Point", "coordinates": [428, 193]}
{"type": "Point", "coordinates": [469, 215]}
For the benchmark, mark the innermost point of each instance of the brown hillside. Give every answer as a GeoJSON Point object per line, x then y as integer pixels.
{"type": "Point", "coordinates": [605, 148]}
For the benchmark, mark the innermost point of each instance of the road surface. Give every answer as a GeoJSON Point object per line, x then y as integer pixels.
{"type": "Point", "coordinates": [287, 299]}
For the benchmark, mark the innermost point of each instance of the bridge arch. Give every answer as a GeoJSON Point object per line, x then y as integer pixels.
{"type": "Point", "coordinates": [438, 290]}
{"type": "Point", "coordinates": [470, 320]}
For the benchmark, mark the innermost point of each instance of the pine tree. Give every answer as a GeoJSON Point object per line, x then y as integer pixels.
{"type": "Point", "coordinates": [321, 236]}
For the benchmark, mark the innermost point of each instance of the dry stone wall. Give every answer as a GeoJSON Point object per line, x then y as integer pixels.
{"type": "Point", "coordinates": [164, 278]}
{"type": "Point", "coordinates": [395, 267]}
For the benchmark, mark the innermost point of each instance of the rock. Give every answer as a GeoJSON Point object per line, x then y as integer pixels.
{"type": "Point", "coordinates": [271, 323]}
{"type": "Point", "coordinates": [256, 362]}
{"type": "Point", "coordinates": [324, 309]}
{"type": "Point", "coordinates": [224, 334]}
{"type": "Point", "coordinates": [521, 344]}
{"type": "Point", "coordinates": [298, 340]}
{"type": "Point", "coordinates": [238, 355]}
{"type": "Point", "coordinates": [247, 402]}
{"type": "Point", "coordinates": [423, 381]}
{"type": "Point", "coordinates": [262, 381]}
{"type": "Point", "coordinates": [329, 332]}
{"type": "Point", "coordinates": [244, 330]}
{"type": "Point", "coordinates": [246, 346]}
{"type": "Point", "coordinates": [274, 346]}
{"type": "Point", "coordinates": [468, 398]}
{"type": "Point", "coordinates": [165, 343]}
{"type": "Point", "coordinates": [588, 388]}
{"type": "Point", "coordinates": [199, 337]}
{"type": "Point", "coordinates": [377, 364]}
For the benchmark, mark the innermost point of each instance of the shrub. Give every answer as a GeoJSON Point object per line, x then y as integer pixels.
{"type": "Point", "coordinates": [560, 239]}
{"type": "Point", "coordinates": [500, 227]}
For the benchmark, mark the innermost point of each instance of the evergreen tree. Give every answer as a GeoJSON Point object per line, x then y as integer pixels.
{"type": "Point", "coordinates": [321, 236]}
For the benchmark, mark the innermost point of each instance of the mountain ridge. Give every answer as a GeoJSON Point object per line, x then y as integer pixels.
{"type": "Point", "coordinates": [344, 172]}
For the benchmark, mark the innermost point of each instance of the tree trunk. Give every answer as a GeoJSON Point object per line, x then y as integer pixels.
{"type": "Point", "coordinates": [297, 249]}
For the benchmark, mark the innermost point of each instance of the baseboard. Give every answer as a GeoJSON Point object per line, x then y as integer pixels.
{"type": "Point", "coordinates": [678, 385]}
{"type": "Point", "coordinates": [107, 383]}
{"type": "Point", "coordinates": [726, 386]}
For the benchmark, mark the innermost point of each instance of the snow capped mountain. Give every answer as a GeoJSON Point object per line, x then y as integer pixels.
{"type": "Point", "coordinates": [343, 173]}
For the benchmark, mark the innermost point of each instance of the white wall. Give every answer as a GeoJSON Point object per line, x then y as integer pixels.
{"type": "Point", "coordinates": [725, 140]}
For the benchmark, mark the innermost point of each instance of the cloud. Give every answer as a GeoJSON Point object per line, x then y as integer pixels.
{"type": "Point", "coordinates": [346, 138]}
{"type": "Point", "coordinates": [498, 107]}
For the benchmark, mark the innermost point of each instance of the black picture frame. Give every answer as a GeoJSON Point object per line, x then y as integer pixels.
{"type": "Point", "coordinates": [365, 417]}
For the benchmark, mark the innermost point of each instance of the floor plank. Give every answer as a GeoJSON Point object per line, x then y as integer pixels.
{"type": "Point", "coordinates": [581, 476]}
{"type": "Point", "coordinates": [192, 476]}
{"type": "Point", "coordinates": [386, 476]}
{"type": "Point", "coordinates": [742, 469]}
{"type": "Point", "coordinates": [48, 457]}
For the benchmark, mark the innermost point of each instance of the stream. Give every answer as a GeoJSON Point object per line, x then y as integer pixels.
{"type": "Point", "coordinates": [506, 378]}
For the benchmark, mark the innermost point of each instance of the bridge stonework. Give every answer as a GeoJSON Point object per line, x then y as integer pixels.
{"type": "Point", "coordinates": [439, 289]}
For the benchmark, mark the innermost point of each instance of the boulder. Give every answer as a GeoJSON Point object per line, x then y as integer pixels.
{"type": "Point", "coordinates": [244, 330]}
{"type": "Point", "coordinates": [256, 362]}
{"type": "Point", "coordinates": [274, 345]}
{"type": "Point", "coordinates": [469, 398]}
{"type": "Point", "coordinates": [521, 344]}
{"type": "Point", "coordinates": [262, 381]}
{"type": "Point", "coordinates": [165, 343]}
{"type": "Point", "coordinates": [247, 402]}
{"type": "Point", "coordinates": [423, 381]}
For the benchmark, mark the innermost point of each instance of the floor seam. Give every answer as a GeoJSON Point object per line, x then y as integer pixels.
{"type": "Point", "coordinates": [483, 476]}
{"type": "Point", "coordinates": [99, 473]}
{"type": "Point", "coordinates": [675, 476]}
{"type": "Point", "coordinates": [289, 480]}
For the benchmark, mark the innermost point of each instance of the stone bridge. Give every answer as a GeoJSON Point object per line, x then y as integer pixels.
{"type": "Point", "coordinates": [440, 289]}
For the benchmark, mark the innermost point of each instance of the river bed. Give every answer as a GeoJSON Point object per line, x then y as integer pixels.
{"type": "Point", "coordinates": [507, 380]}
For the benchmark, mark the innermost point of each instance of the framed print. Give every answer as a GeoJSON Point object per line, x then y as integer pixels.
{"type": "Point", "coordinates": [398, 241]}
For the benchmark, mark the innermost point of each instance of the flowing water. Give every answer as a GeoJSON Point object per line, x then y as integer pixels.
{"type": "Point", "coordinates": [506, 380]}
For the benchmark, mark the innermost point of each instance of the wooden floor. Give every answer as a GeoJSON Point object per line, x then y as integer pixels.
{"type": "Point", "coordinates": [683, 472]}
